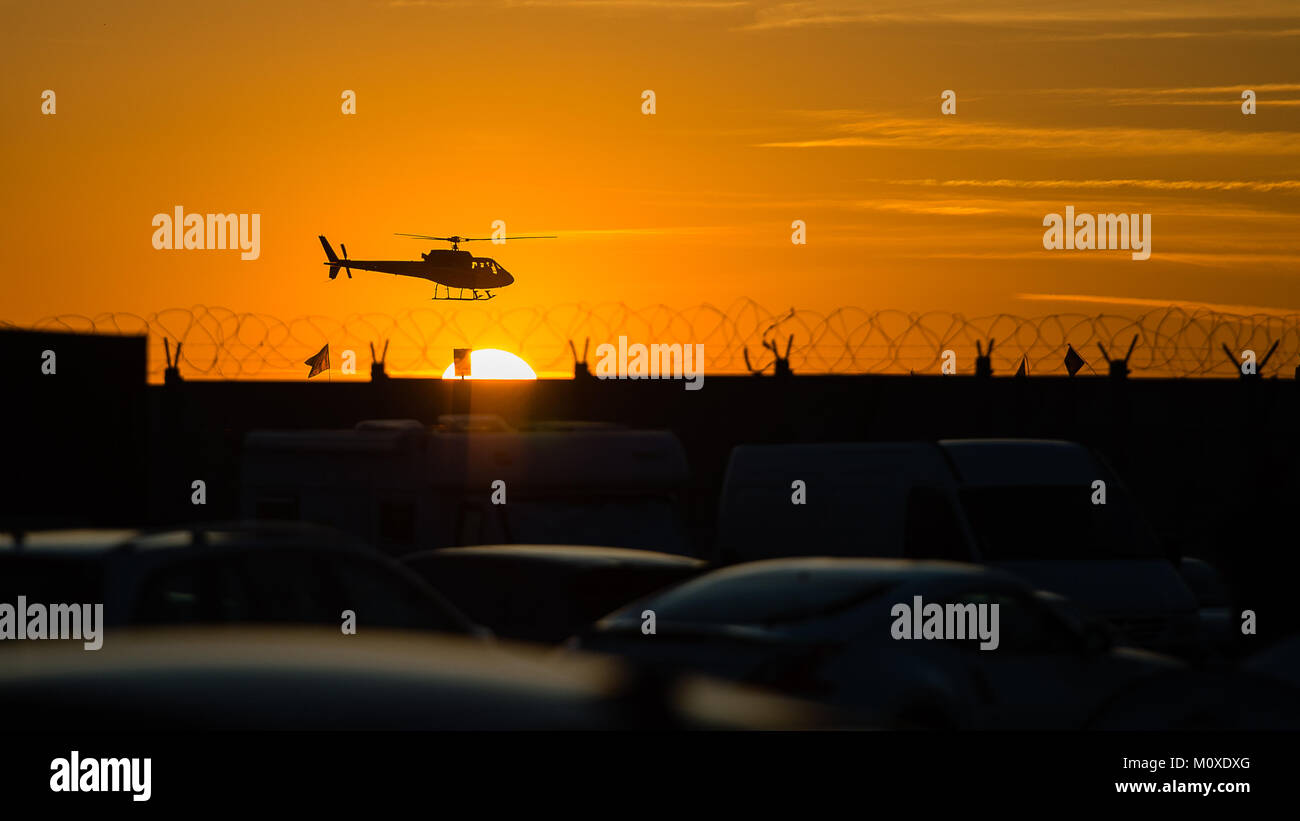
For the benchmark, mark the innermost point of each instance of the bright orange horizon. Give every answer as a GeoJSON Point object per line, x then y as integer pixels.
{"type": "Point", "coordinates": [531, 113]}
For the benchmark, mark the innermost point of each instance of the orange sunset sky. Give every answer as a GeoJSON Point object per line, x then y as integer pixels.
{"type": "Point", "coordinates": [530, 112]}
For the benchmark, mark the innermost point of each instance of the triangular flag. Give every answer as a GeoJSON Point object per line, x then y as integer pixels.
{"type": "Point", "coordinates": [1024, 366]}
{"type": "Point", "coordinates": [1073, 362]}
{"type": "Point", "coordinates": [320, 362]}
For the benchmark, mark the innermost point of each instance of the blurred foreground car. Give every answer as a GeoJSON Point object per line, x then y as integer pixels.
{"type": "Point", "coordinates": [223, 573]}
{"type": "Point", "coordinates": [547, 593]}
{"type": "Point", "coordinates": [821, 628]}
{"type": "Point", "coordinates": [210, 679]}
{"type": "Point", "coordinates": [1281, 661]}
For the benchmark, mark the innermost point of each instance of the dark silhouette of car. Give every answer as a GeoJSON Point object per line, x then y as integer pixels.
{"type": "Point", "coordinates": [224, 574]}
{"type": "Point", "coordinates": [821, 628]}
{"type": "Point", "coordinates": [202, 679]}
{"type": "Point", "coordinates": [547, 593]}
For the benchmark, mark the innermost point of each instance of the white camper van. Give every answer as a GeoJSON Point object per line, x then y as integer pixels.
{"type": "Point", "coordinates": [1028, 506]}
{"type": "Point", "coordinates": [404, 486]}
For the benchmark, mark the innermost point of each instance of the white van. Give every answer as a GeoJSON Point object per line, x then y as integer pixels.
{"type": "Point", "coordinates": [1027, 506]}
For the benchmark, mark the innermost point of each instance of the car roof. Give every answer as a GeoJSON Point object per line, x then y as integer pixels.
{"type": "Point", "coordinates": [743, 600]}
{"type": "Point", "coordinates": [65, 541]}
{"type": "Point", "coordinates": [201, 536]}
{"type": "Point", "coordinates": [563, 554]}
{"type": "Point", "coordinates": [867, 569]}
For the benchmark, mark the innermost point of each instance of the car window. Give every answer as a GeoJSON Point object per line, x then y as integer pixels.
{"type": "Point", "coordinates": [541, 600]}
{"type": "Point", "coordinates": [383, 596]}
{"type": "Point", "coordinates": [266, 585]}
{"type": "Point", "coordinates": [1024, 627]}
{"type": "Point", "coordinates": [285, 585]}
{"type": "Point", "coordinates": [761, 598]}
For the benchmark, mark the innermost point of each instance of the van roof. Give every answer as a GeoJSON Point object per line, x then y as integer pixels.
{"type": "Point", "coordinates": [614, 459]}
{"type": "Point", "coordinates": [1001, 462]}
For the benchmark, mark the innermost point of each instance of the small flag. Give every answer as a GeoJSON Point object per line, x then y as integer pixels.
{"type": "Point", "coordinates": [1073, 362]}
{"type": "Point", "coordinates": [461, 358]}
{"type": "Point", "coordinates": [1024, 366]}
{"type": "Point", "coordinates": [320, 362]}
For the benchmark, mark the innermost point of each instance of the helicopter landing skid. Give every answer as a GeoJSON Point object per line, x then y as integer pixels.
{"type": "Point", "coordinates": [461, 296]}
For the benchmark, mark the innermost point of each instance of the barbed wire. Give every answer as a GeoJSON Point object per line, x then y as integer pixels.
{"type": "Point", "coordinates": [1172, 342]}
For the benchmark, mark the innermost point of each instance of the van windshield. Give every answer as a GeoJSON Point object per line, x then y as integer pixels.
{"type": "Point", "coordinates": [1055, 522]}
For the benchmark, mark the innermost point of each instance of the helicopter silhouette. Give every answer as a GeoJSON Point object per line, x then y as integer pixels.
{"type": "Point", "coordinates": [449, 268]}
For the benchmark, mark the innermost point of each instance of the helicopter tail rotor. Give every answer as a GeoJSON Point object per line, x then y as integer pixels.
{"type": "Point", "coordinates": [334, 262]}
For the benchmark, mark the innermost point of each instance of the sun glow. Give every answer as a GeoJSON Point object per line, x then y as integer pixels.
{"type": "Point", "coordinates": [493, 363]}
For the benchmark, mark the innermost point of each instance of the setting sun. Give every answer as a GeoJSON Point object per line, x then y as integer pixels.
{"type": "Point", "coordinates": [493, 363]}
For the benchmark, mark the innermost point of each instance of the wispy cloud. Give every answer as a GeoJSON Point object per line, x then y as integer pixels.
{"type": "Point", "coordinates": [1220, 261]}
{"type": "Point", "coordinates": [1212, 32]}
{"type": "Point", "coordinates": [1186, 95]}
{"type": "Point", "coordinates": [600, 5]}
{"type": "Point", "coordinates": [945, 134]}
{"type": "Point", "coordinates": [1146, 184]}
{"type": "Point", "coordinates": [1187, 305]}
{"type": "Point", "coordinates": [921, 207]}
{"type": "Point", "coordinates": [1010, 12]}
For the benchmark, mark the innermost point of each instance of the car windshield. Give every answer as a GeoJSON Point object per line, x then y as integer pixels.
{"type": "Point", "coordinates": [760, 599]}
{"type": "Point", "coordinates": [641, 523]}
{"type": "Point", "coordinates": [1054, 522]}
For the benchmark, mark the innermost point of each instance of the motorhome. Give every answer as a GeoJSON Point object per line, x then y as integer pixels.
{"type": "Point", "coordinates": [405, 486]}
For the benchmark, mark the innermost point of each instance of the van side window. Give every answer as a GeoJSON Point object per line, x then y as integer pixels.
{"type": "Point", "coordinates": [931, 527]}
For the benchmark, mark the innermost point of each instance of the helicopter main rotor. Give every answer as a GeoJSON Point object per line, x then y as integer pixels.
{"type": "Point", "coordinates": [456, 241]}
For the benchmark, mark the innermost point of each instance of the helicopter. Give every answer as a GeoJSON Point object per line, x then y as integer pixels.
{"type": "Point", "coordinates": [449, 268]}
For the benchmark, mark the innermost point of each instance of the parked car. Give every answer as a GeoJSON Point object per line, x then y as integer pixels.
{"type": "Point", "coordinates": [1218, 699]}
{"type": "Point", "coordinates": [203, 679]}
{"type": "Point", "coordinates": [1026, 506]}
{"type": "Point", "coordinates": [823, 628]}
{"type": "Point", "coordinates": [546, 593]}
{"type": "Point", "coordinates": [223, 574]}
